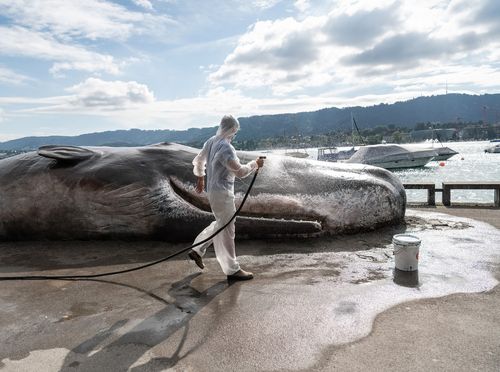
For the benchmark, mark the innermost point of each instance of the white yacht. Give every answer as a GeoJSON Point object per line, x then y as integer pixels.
{"type": "Point", "coordinates": [392, 156]}
{"type": "Point", "coordinates": [443, 152]}
{"type": "Point", "coordinates": [493, 149]}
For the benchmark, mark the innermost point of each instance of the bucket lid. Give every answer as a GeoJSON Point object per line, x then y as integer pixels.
{"type": "Point", "coordinates": [405, 239]}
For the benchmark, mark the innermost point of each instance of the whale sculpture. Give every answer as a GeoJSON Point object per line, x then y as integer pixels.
{"type": "Point", "coordinates": [68, 192]}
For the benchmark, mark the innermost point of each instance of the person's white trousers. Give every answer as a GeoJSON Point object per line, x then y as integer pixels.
{"type": "Point", "coordinates": [222, 203]}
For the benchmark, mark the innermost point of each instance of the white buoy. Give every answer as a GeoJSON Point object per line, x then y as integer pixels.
{"type": "Point", "coordinates": [406, 249]}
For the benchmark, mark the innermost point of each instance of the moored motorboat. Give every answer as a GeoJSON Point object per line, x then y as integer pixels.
{"type": "Point", "coordinates": [297, 154]}
{"type": "Point", "coordinates": [443, 152]}
{"type": "Point", "coordinates": [392, 156]}
{"type": "Point", "coordinates": [334, 154]}
{"type": "Point", "coordinates": [493, 149]}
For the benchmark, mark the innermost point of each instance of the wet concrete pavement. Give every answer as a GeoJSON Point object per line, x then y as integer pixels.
{"type": "Point", "coordinates": [311, 307]}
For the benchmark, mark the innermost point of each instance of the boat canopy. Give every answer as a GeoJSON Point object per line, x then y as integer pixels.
{"type": "Point", "coordinates": [378, 153]}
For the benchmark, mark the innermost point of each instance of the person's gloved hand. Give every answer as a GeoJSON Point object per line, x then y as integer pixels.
{"type": "Point", "coordinates": [260, 162]}
{"type": "Point", "coordinates": [200, 185]}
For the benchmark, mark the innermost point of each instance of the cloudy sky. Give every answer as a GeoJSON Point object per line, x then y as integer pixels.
{"type": "Point", "coordinates": [69, 67]}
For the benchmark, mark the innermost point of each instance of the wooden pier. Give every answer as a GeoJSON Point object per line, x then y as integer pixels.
{"type": "Point", "coordinates": [448, 186]}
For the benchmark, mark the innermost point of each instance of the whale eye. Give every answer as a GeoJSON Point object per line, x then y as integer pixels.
{"type": "Point", "coordinates": [65, 153]}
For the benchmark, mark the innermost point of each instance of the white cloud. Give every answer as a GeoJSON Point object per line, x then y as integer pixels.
{"type": "Point", "coordinates": [90, 19]}
{"type": "Point", "coordinates": [107, 99]}
{"type": "Point", "coordinates": [265, 4]}
{"type": "Point", "coordinates": [60, 30]}
{"type": "Point", "coordinates": [361, 28]}
{"type": "Point", "coordinates": [8, 76]}
{"type": "Point", "coordinates": [97, 93]}
{"type": "Point", "coordinates": [302, 5]}
{"type": "Point", "coordinates": [144, 3]}
{"type": "Point", "coordinates": [358, 39]}
{"type": "Point", "coordinates": [280, 53]}
{"type": "Point", "coordinates": [20, 41]}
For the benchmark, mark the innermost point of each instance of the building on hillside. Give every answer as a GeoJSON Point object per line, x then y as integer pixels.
{"type": "Point", "coordinates": [495, 131]}
{"type": "Point", "coordinates": [476, 132]}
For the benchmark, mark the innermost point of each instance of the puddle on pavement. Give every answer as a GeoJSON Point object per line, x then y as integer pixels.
{"type": "Point", "coordinates": [81, 309]}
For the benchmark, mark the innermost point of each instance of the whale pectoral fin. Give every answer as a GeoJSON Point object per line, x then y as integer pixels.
{"type": "Point", "coordinates": [199, 201]}
{"type": "Point", "coordinates": [65, 153]}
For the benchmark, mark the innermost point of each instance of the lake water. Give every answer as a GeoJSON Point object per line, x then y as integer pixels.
{"type": "Point", "coordinates": [471, 164]}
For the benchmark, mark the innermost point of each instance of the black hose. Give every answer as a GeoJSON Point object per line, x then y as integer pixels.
{"type": "Point", "coordinates": [69, 277]}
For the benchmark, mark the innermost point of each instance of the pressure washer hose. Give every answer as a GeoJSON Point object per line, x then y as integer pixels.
{"type": "Point", "coordinates": [71, 277]}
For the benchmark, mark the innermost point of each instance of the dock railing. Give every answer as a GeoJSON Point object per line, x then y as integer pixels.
{"type": "Point", "coordinates": [448, 186]}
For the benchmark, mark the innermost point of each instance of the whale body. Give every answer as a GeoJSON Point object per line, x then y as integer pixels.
{"type": "Point", "coordinates": [69, 192]}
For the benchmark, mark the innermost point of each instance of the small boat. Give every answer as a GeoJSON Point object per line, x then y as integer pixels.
{"type": "Point", "coordinates": [392, 156]}
{"type": "Point", "coordinates": [493, 149]}
{"type": "Point", "coordinates": [334, 154]}
{"type": "Point", "coordinates": [297, 153]}
{"type": "Point", "coordinates": [443, 152]}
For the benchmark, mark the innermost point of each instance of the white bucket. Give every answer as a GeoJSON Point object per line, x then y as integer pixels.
{"type": "Point", "coordinates": [406, 249]}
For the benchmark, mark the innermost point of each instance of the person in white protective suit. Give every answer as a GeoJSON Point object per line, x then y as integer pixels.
{"type": "Point", "coordinates": [219, 159]}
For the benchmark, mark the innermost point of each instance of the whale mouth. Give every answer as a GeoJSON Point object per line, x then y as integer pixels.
{"type": "Point", "coordinates": [259, 216]}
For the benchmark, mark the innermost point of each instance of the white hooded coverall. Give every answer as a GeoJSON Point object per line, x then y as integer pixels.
{"type": "Point", "coordinates": [222, 165]}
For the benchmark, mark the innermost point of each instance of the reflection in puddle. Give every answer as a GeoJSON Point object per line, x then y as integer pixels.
{"type": "Point", "coordinates": [406, 278]}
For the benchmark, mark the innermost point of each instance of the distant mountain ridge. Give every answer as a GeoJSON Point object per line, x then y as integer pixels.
{"type": "Point", "coordinates": [132, 137]}
{"type": "Point", "coordinates": [441, 108]}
